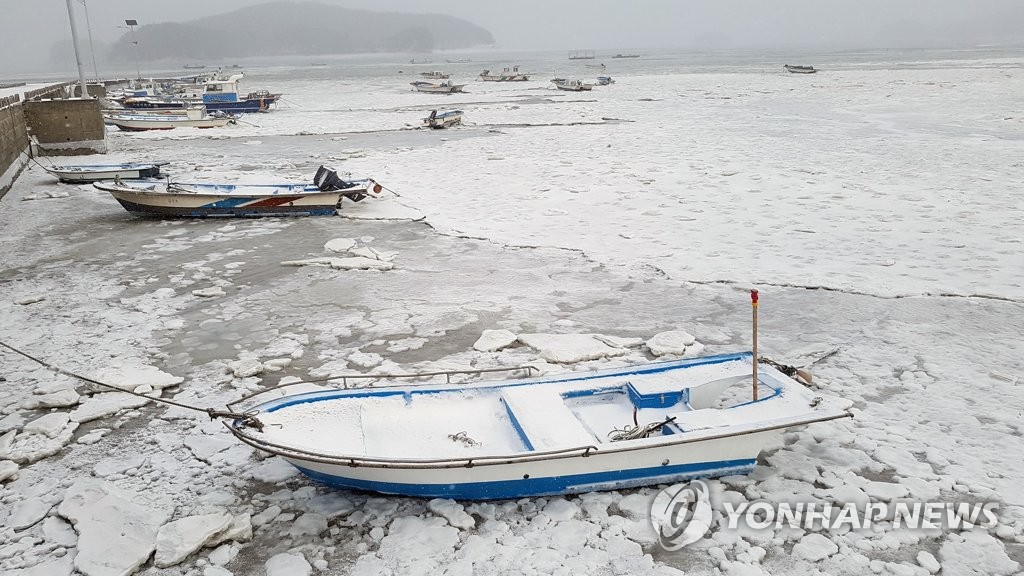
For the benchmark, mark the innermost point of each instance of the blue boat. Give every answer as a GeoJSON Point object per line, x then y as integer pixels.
{"type": "Point", "coordinates": [223, 95]}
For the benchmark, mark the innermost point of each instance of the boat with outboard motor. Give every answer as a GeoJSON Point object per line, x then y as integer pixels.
{"type": "Point", "coordinates": [169, 199]}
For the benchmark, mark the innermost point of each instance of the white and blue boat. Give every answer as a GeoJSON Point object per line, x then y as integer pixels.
{"type": "Point", "coordinates": [167, 199]}
{"type": "Point", "coordinates": [97, 172]}
{"type": "Point", "coordinates": [568, 433]}
{"type": "Point", "coordinates": [223, 95]}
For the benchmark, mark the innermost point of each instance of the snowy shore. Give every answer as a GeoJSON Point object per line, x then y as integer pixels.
{"type": "Point", "coordinates": [646, 207]}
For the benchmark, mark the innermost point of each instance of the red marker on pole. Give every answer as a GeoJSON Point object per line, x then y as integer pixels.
{"type": "Point", "coordinates": [753, 304]}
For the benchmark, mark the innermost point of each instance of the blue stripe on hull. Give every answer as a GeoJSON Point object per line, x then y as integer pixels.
{"type": "Point", "coordinates": [528, 487]}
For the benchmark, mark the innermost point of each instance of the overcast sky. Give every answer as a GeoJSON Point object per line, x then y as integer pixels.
{"type": "Point", "coordinates": [30, 27]}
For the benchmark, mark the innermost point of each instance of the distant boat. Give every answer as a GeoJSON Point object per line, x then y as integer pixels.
{"type": "Point", "coordinates": [626, 56]}
{"type": "Point", "coordinates": [97, 172]}
{"type": "Point", "coordinates": [799, 69]}
{"type": "Point", "coordinates": [598, 66]}
{"type": "Point", "coordinates": [507, 75]}
{"type": "Point", "coordinates": [442, 88]}
{"type": "Point", "coordinates": [444, 119]}
{"type": "Point", "coordinates": [581, 55]}
{"type": "Point", "coordinates": [174, 200]}
{"type": "Point", "coordinates": [435, 75]}
{"type": "Point", "coordinates": [571, 85]}
{"type": "Point", "coordinates": [604, 80]}
{"type": "Point", "coordinates": [194, 66]}
{"type": "Point", "coordinates": [459, 61]}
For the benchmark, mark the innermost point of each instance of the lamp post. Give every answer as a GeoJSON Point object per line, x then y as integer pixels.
{"type": "Point", "coordinates": [92, 49]}
{"type": "Point", "coordinates": [78, 60]}
{"type": "Point", "coordinates": [131, 25]}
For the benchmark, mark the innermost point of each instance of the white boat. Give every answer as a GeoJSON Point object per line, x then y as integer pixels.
{"type": "Point", "coordinates": [571, 85]}
{"type": "Point", "coordinates": [799, 69]}
{"type": "Point", "coordinates": [568, 433]}
{"type": "Point", "coordinates": [435, 75]}
{"type": "Point", "coordinates": [96, 172]}
{"type": "Point", "coordinates": [181, 200]}
{"type": "Point", "coordinates": [506, 75]}
{"type": "Point", "coordinates": [167, 120]}
{"type": "Point", "coordinates": [605, 80]}
{"type": "Point", "coordinates": [442, 88]}
{"type": "Point", "coordinates": [444, 119]}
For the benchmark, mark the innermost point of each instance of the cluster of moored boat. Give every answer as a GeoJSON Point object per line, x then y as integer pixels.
{"type": "Point", "coordinates": [207, 102]}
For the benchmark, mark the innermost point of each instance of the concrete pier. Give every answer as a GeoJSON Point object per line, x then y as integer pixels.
{"type": "Point", "coordinates": [66, 127]}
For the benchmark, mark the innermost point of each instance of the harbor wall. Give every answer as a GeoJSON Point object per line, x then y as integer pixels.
{"type": "Point", "coordinates": [65, 127]}
{"type": "Point", "coordinates": [14, 142]}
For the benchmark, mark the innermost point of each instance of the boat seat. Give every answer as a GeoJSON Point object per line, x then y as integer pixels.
{"type": "Point", "coordinates": [702, 419]}
{"type": "Point", "coordinates": [543, 420]}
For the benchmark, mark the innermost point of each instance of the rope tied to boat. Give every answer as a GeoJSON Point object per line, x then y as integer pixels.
{"type": "Point", "coordinates": [244, 418]}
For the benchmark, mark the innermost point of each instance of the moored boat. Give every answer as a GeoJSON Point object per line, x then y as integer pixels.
{"type": "Point", "coordinates": [506, 75]}
{"type": "Point", "coordinates": [443, 119]}
{"type": "Point", "coordinates": [799, 69]}
{"type": "Point", "coordinates": [442, 88]}
{"type": "Point", "coordinates": [568, 433]}
{"type": "Point", "coordinates": [626, 56]}
{"type": "Point", "coordinates": [167, 120]}
{"type": "Point", "coordinates": [196, 200]}
{"type": "Point", "coordinates": [435, 75]}
{"type": "Point", "coordinates": [571, 85]}
{"type": "Point", "coordinates": [96, 172]}
{"type": "Point", "coordinates": [605, 80]}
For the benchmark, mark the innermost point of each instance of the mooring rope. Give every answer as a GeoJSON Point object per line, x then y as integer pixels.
{"type": "Point", "coordinates": [247, 417]}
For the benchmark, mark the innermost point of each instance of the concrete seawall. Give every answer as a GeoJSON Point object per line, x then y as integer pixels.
{"type": "Point", "coordinates": [13, 141]}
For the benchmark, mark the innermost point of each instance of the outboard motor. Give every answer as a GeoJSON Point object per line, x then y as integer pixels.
{"type": "Point", "coordinates": [327, 180]}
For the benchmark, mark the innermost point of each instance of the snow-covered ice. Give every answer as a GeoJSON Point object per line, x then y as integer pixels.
{"type": "Point", "coordinates": [875, 205]}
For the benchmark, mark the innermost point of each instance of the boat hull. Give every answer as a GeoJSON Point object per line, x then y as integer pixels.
{"type": "Point", "coordinates": [158, 199]}
{"type": "Point", "coordinates": [97, 173]}
{"type": "Point", "coordinates": [168, 123]}
{"type": "Point", "coordinates": [249, 106]}
{"type": "Point", "coordinates": [571, 475]}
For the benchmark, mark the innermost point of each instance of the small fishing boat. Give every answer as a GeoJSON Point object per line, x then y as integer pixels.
{"type": "Point", "coordinates": [568, 433]}
{"type": "Point", "coordinates": [167, 120]}
{"type": "Point", "coordinates": [435, 75]}
{"type": "Point", "coordinates": [153, 102]}
{"type": "Point", "coordinates": [605, 80]}
{"type": "Point", "coordinates": [96, 172]}
{"type": "Point", "coordinates": [571, 85]}
{"type": "Point", "coordinates": [596, 66]}
{"type": "Point", "coordinates": [507, 75]}
{"type": "Point", "coordinates": [799, 69]}
{"type": "Point", "coordinates": [442, 88]}
{"type": "Point", "coordinates": [626, 56]}
{"type": "Point", "coordinates": [179, 200]}
{"type": "Point", "coordinates": [444, 119]}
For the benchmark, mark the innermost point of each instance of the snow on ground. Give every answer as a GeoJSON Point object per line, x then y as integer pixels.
{"type": "Point", "coordinates": [646, 228]}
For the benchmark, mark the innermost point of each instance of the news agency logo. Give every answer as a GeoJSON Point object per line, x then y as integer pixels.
{"type": "Point", "coordinates": [683, 514]}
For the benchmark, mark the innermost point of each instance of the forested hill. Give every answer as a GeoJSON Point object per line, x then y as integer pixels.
{"type": "Point", "coordinates": [296, 28]}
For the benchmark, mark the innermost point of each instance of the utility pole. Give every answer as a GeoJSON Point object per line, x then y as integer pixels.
{"type": "Point", "coordinates": [92, 49]}
{"type": "Point", "coordinates": [132, 24]}
{"type": "Point", "coordinates": [78, 60]}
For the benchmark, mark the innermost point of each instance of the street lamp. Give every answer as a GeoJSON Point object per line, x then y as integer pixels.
{"type": "Point", "coordinates": [132, 24]}
{"type": "Point", "coordinates": [92, 49]}
{"type": "Point", "coordinates": [74, 41]}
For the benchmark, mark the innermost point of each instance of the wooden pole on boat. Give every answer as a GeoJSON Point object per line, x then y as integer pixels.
{"type": "Point", "coordinates": [753, 304]}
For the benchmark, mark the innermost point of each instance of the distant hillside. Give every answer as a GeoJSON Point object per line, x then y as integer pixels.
{"type": "Point", "coordinates": [298, 28]}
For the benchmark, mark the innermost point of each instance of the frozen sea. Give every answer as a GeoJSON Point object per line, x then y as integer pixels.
{"type": "Point", "coordinates": [876, 206]}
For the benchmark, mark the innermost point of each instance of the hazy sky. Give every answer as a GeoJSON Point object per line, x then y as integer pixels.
{"type": "Point", "coordinates": [30, 27]}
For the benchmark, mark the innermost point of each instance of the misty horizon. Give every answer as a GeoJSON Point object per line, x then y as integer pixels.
{"type": "Point", "coordinates": [39, 35]}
